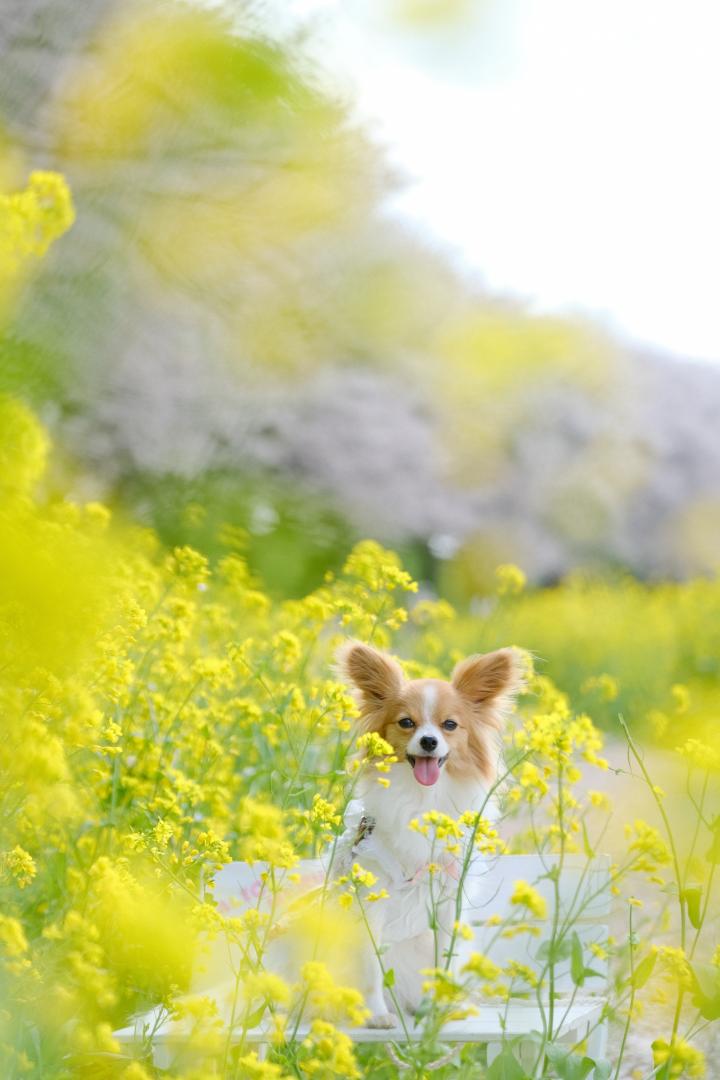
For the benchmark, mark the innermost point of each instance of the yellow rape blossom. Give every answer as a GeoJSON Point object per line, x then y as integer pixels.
{"type": "Point", "coordinates": [526, 896]}
{"type": "Point", "coordinates": [12, 937]}
{"type": "Point", "coordinates": [330, 1053]}
{"type": "Point", "coordinates": [343, 1004]}
{"type": "Point", "coordinates": [20, 864]}
{"type": "Point", "coordinates": [683, 1059]}
{"type": "Point", "coordinates": [511, 580]}
{"type": "Point", "coordinates": [481, 966]}
{"type": "Point", "coordinates": [647, 845]}
{"type": "Point", "coordinates": [30, 221]}
{"type": "Point", "coordinates": [254, 1068]}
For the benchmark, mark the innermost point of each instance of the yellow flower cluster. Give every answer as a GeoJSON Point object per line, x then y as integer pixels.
{"type": "Point", "coordinates": [379, 752]}
{"type": "Point", "coordinates": [158, 721]}
{"type": "Point", "coordinates": [329, 1053]}
{"type": "Point", "coordinates": [510, 579]}
{"type": "Point", "coordinates": [325, 998]}
{"type": "Point", "coordinates": [678, 1058]}
{"type": "Point", "coordinates": [526, 896]}
{"type": "Point", "coordinates": [606, 686]}
{"type": "Point", "coordinates": [20, 864]}
{"type": "Point", "coordinates": [700, 754]}
{"type": "Point", "coordinates": [30, 221]}
{"type": "Point", "coordinates": [648, 846]}
{"type": "Point", "coordinates": [675, 964]}
{"type": "Point", "coordinates": [482, 967]}
{"type": "Point", "coordinates": [162, 716]}
{"type": "Point", "coordinates": [556, 735]}
{"type": "Point", "coordinates": [451, 832]}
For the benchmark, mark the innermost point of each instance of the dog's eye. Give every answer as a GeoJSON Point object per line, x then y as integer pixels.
{"type": "Point", "coordinates": [406, 722]}
{"type": "Point", "coordinates": [449, 725]}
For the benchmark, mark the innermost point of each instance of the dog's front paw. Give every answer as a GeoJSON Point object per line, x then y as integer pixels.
{"type": "Point", "coordinates": [382, 1020]}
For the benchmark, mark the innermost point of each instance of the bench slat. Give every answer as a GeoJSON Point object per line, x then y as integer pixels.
{"type": "Point", "coordinates": [520, 1019]}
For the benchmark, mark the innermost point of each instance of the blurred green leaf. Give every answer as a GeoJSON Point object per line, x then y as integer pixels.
{"type": "Point", "coordinates": [577, 966]}
{"type": "Point", "coordinates": [691, 897]}
{"type": "Point", "coordinates": [644, 970]}
{"type": "Point", "coordinates": [713, 854]}
{"type": "Point", "coordinates": [506, 1067]}
{"type": "Point", "coordinates": [707, 993]}
{"type": "Point", "coordinates": [567, 1065]}
{"type": "Point", "coordinates": [554, 951]}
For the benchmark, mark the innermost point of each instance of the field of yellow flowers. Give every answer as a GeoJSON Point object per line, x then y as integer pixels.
{"type": "Point", "coordinates": [163, 717]}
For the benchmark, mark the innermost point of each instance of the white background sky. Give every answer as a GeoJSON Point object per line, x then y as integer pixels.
{"type": "Point", "coordinates": [567, 150]}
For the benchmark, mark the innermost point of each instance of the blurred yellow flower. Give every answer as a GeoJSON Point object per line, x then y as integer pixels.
{"type": "Point", "coordinates": [683, 1059]}
{"type": "Point", "coordinates": [510, 579]}
{"type": "Point", "coordinates": [524, 895]}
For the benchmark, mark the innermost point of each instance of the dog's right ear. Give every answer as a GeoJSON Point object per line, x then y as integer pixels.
{"type": "Point", "coordinates": [376, 676]}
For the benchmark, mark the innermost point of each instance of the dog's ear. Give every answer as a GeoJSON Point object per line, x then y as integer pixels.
{"type": "Point", "coordinates": [489, 683]}
{"type": "Point", "coordinates": [378, 677]}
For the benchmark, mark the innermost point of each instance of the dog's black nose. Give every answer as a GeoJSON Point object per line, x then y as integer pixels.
{"type": "Point", "coordinates": [428, 742]}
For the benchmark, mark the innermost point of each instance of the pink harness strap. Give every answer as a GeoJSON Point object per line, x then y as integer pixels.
{"type": "Point", "coordinates": [451, 869]}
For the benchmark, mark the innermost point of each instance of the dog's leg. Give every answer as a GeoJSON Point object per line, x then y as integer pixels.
{"type": "Point", "coordinates": [380, 1015]}
{"type": "Point", "coordinates": [408, 959]}
{"type": "Point", "coordinates": [373, 979]}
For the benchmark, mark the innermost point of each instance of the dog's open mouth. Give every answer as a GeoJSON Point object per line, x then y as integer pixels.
{"type": "Point", "coordinates": [426, 769]}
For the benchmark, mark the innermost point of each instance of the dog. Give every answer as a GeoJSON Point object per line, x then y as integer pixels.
{"type": "Point", "coordinates": [446, 741]}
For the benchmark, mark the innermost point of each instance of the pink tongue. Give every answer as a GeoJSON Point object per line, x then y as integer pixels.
{"type": "Point", "coordinates": [426, 770]}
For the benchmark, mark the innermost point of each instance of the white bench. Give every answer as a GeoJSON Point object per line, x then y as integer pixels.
{"type": "Point", "coordinates": [579, 1009]}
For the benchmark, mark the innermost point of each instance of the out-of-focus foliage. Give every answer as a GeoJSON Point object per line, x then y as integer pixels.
{"type": "Point", "coordinates": [234, 299]}
{"type": "Point", "coordinates": [139, 744]}
{"type": "Point", "coordinates": [231, 311]}
{"type": "Point", "coordinates": [617, 646]}
{"type": "Point", "coordinates": [162, 716]}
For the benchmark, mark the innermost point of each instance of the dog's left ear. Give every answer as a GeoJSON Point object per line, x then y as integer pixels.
{"type": "Point", "coordinates": [489, 683]}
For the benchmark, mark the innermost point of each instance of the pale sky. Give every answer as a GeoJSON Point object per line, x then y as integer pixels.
{"type": "Point", "coordinates": [567, 150]}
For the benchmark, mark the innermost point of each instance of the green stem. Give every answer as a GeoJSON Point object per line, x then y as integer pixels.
{"type": "Point", "coordinates": [675, 860]}
{"type": "Point", "coordinates": [628, 1018]}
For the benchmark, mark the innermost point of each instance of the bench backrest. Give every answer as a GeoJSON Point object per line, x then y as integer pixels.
{"type": "Point", "coordinates": [583, 897]}
{"type": "Point", "coordinates": [583, 894]}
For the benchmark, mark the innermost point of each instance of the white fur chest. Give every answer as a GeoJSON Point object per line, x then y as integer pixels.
{"type": "Point", "coordinates": [393, 808]}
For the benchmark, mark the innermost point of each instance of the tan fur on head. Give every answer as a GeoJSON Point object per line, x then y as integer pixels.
{"type": "Point", "coordinates": [478, 698]}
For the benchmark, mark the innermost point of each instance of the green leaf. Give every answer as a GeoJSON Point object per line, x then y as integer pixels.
{"type": "Point", "coordinates": [254, 1019]}
{"type": "Point", "coordinates": [389, 977]}
{"type": "Point", "coordinates": [506, 1067]}
{"type": "Point", "coordinates": [577, 965]}
{"type": "Point", "coordinates": [707, 994]}
{"type": "Point", "coordinates": [424, 1009]}
{"type": "Point", "coordinates": [644, 970]}
{"type": "Point", "coordinates": [707, 977]}
{"type": "Point", "coordinates": [554, 951]}
{"type": "Point", "coordinates": [691, 897]}
{"type": "Point", "coordinates": [713, 854]}
{"type": "Point", "coordinates": [567, 1065]}
{"type": "Point", "coordinates": [603, 1069]}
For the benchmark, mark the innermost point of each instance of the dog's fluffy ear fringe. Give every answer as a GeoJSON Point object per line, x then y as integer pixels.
{"type": "Point", "coordinates": [375, 675]}
{"type": "Point", "coordinates": [491, 681]}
